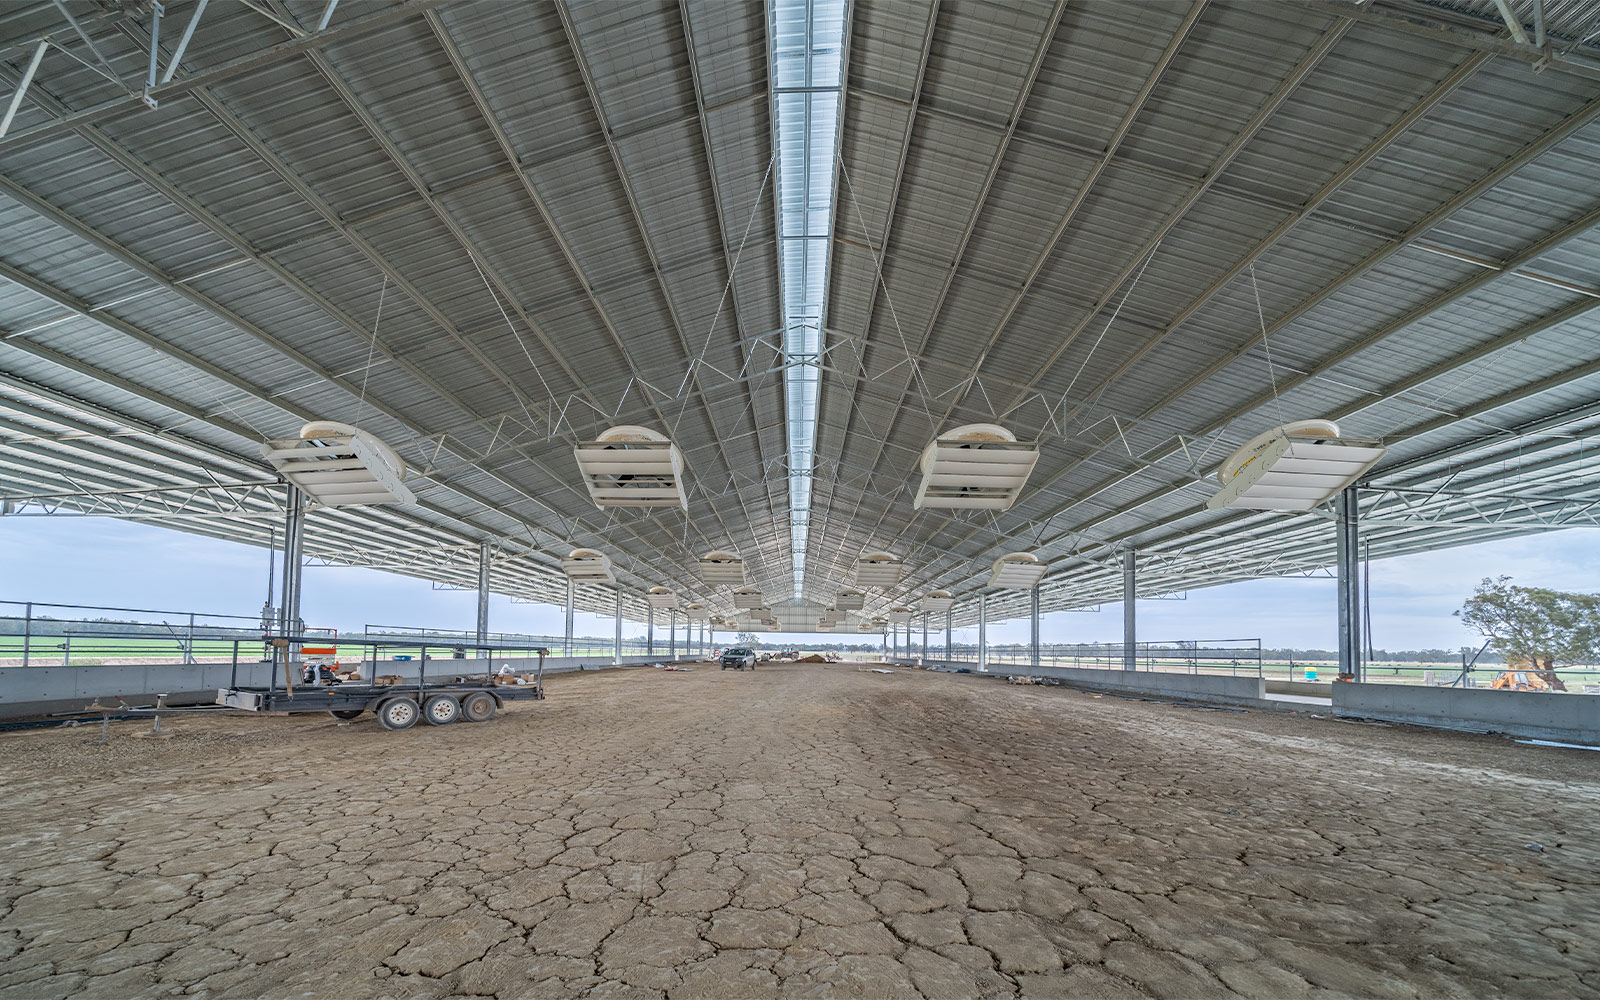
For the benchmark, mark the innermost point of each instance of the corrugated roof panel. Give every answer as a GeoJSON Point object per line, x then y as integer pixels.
{"type": "Point", "coordinates": [983, 51]}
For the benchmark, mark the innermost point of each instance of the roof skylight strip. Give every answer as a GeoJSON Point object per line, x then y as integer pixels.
{"type": "Point", "coordinates": [807, 71]}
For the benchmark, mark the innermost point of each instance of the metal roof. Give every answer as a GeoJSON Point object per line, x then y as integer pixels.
{"type": "Point", "coordinates": [486, 232]}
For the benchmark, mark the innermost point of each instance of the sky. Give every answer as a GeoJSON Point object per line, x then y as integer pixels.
{"type": "Point", "coordinates": [113, 563]}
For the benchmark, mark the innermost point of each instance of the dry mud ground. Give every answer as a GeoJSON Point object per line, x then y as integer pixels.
{"type": "Point", "coordinates": [802, 830]}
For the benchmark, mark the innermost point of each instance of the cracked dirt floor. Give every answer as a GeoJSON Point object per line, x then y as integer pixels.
{"type": "Point", "coordinates": [798, 831]}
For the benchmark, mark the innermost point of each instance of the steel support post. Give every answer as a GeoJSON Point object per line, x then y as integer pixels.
{"type": "Point", "coordinates": [570, 594]}
{"type": "Point", "coordinates": [293, 526]}
{"type": "Point", "coordinates": [1130, 601]}
{"type": "Point", "coordinates": [949, 631]}
{"type": "Point", "coordinates": [1348, 555]}
{"type": "Point", "coordinates": [616, 654]}
{"type": "Point", "coordinates": [650, 632]}
{"type": "Point", "coordinates": [924, 637]}
{"type": "Point", "coordinates": [294, 523]}
{"type": "Point", "coordinates": [983, 631]}
{"type": "Point", "coordinates": [1033, 646]}
{"type": "Point", "coordinates": [483, 596]}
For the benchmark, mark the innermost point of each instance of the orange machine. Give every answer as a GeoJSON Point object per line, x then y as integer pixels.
{"type": "Point", "coordinates": [1519, 680]}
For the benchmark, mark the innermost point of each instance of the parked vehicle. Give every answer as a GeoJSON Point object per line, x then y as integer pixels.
{"type": "Point", "coordinates": [739, 658]}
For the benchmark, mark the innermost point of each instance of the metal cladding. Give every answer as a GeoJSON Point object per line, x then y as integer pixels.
{"type": "Point", "coordinates": [1293, 467]}
{"type": "Point", "coordinates": [878, 569]}
{"type": "Point", "coordinates": [719, 567]}
{"type": "Point", "coordinates": [1051, 238]}
{"type": "Point", "coordinates": [588, 566]}
{"type": "Point", "coordinates": [632, 466]}
{"type": "Point", "coordinates": [338, 465]}
{"type": "Point", "coordinates": [1017, 571]}
{"type": "Point", "coordinates": [975, 467]}
{"type": "Point", "coordinates": [661, 598]}
{"type": "Point", "coordinates": [938, 600]}
{"type": "Point", "coordinates": [850, 599]}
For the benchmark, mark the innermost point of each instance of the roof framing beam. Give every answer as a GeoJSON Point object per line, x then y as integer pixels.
{"type": "Point", "coordinates": [1484, 184]}
{"type": "Point", "coordinates": [913, 373]}
{"type": "Point", "coordinates": [1414, 19]}
{"type": "Point", "coordinates": [348, 31]}
{"type": "Point", "coordinates": [597, 103]}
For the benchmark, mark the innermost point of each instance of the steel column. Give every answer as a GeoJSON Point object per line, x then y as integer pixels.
{"type": "Point", "coordinates": [570, 595]}
{"type": "Point", "coordinates": [650, 632]}
{"type": "Point", "coordinates": [949, 629]}
{"type": "Point", "coordinates": [1033, 647]}
{"type": "Point", "coordinates": [672, 634]}
{"type": "Point", "coordinates": [924, 637]}
{"type": "Point", "coordinates": [294, 523]}
{"type": "Point", "coordinates": [983, 631]}
{"type": "Point", "coordinates": [1130, 601]}
{"type": "Point", "coordinates": [483, 595]}
{"type": "Point", "coordinates": [616, 653]}
{"type": "Point", "coordinates": [1347, 556]}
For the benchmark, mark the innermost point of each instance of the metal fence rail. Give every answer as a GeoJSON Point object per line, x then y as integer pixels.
{"type": "Point", "coordinates": [581, 645]}
{"type": "Point", "coordinates": [38, 633]}
{"type": "Point", "coordinates": [1221, 656]}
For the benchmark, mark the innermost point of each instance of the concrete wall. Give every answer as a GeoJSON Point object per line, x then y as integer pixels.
{"type": "Point", "coordinates": [1244, 691]}
{"type": "Point", "coordinates": [26, 691]}
{"type": "Point", "coordinates": [1567, 718]}
{"type": "Point", "coordinates": [1307, 689]}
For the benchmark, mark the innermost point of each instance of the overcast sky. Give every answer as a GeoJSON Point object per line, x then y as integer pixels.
{"type": "Point", "coordinates": [102, 561]}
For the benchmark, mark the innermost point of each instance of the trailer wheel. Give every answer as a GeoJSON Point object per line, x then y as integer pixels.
{"type": "Point", "coordinates": [441, 710]}
{"type": "Point", "coordinates": [346, 713]}
{"type": "Point", "coordinates": [478, 707]}
{"type": "Point", "coordinates": [398, 713]}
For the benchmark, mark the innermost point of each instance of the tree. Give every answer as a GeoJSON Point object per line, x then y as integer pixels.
{"type": "Point", "coordinates": [1534, 626]}
{"type": "Point", "coordinates": [747, 639]}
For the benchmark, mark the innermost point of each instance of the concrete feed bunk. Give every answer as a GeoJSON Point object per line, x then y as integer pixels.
{"type": "Point", "coordinates": [806, 830]}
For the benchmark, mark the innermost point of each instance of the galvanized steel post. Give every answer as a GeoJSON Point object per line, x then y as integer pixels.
{"type": "Point", "coordinates": [293, 527]}
{"type": "Point", "coordinates": [1033, 648]}
{"type": "Point", "coordinates": [483, 596]}
{"type": "Point", "coordinates": [1347, 550]}
{"type": "Point", "coordinates": [570, 588]}
{"type": "Point", "coordinates": [650, 632]}
{"type": "Point", "coordinates": [672, 634]}
{"type": "Point", "coordinates": [983, 631]}
{"type": "Point", "coordinates": [949, 619]}
{"type": "Point", "coordinates": [1130, 601]}
{"type": "Point", "coordinates": [616, 652]}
